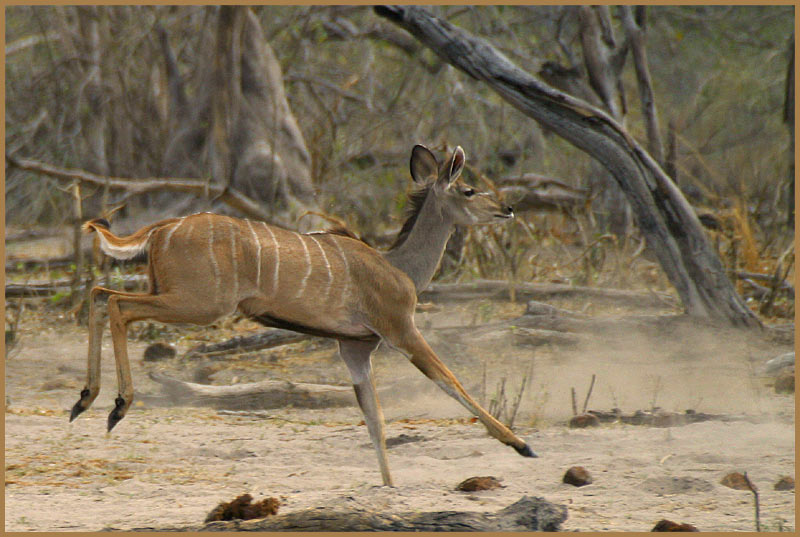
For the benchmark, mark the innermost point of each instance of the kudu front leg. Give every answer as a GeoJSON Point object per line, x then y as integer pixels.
{"type": "Point", "coordinates": [356, 354]}
{"type": "Point", "coordinates": [423, 357]}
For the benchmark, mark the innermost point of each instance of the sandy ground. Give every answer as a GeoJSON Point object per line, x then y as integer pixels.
{"type": "Point", "coordinates": [171, 466]}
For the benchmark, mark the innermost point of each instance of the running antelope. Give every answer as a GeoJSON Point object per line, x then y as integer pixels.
{"type": "Point", "coordinates": [205, 266]}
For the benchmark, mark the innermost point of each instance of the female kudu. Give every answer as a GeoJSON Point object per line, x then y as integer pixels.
{"type": "Point", "coordinates": [205, 266]}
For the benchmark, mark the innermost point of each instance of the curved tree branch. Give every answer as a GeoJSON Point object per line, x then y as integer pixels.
{"type": "Point", "coordinates": [230, 196]}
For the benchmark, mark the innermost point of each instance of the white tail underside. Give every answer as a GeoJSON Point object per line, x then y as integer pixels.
{"type": "Point", "coordinates": [123, 252]}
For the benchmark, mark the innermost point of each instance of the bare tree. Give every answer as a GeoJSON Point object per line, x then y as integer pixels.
{"type": "Point", "coordinates": [668, 222]}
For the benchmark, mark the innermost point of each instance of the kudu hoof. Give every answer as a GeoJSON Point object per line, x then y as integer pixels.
{"type": "Point", "coordinates": [79, 407]}
{"type": "Point", "coordinates": [118, 413]}
{"type": "Point", "coordinates": [526, 451]}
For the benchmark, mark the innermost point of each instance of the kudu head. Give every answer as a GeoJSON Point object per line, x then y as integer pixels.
{"type": "Point", "coordinates": [458, 201]}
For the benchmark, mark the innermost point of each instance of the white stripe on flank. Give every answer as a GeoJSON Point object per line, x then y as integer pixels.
{"type": "Point", "coordinates": [214, 265]}
{"type": "Point", "coordinates": [170, 232]}
{"type": "Point", "coordinates": [304, 281]}
{"type": "Point", "coordinates": [327, 266]}
{"type": "Point", "coordinates": [277, 259]}
{"type": "Point", "coordinates": [258, 253]}
{"type": "Point", "coordinates": [234, 260]}
{"type": "Point", "coordinates": [346, 285]}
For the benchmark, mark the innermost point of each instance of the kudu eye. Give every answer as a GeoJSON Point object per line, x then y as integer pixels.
{"type": "Point", "coordinates": [469, 192]}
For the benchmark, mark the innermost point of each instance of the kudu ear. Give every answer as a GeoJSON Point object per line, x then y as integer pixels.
{"type": "Point", "coordinates": [424, 166]}
{"type": "Point", "coordinates": [454, 168]}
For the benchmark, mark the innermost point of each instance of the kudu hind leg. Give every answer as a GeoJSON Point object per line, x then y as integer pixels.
{"type": "Point", "coordinates": [356, 354]}
{"type": "Point", "coordinates": [96, 324]}
{"type": "Point", "coordinates": [423, 357]}
{"type": "Point", "coordinates": [124, 308]}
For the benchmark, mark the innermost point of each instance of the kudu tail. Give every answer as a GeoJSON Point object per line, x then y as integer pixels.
{"type": "Point", "coordinates": [122, 247]}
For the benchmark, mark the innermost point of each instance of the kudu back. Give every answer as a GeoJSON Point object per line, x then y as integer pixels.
{"type": "Point", "coordinates": [205, 266]}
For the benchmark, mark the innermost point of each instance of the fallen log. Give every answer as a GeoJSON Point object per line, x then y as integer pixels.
{"type": "Point", "coordinates": [241, 344]}
{"type": "Point", "coordinates": [527, 514]}
{"type": "Point", "coordinates": [499, 290]}
{"type": "Point", "coordinates": [50, 288]}
{"type": "Point", "coordinates": [255, 395]}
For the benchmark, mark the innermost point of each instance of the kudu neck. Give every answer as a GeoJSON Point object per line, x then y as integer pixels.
{"type": "Point", "coordinates": [420, 254]}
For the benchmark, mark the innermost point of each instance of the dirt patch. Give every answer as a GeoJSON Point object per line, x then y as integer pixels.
{"type": "Point", "coordinates": [170, 466]}
{"type": "Point", "coordinates": [676, 485]}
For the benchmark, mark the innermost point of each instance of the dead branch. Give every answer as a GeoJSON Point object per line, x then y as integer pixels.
{"type": "Point", "coordinates": [756, 505]}
{"type": "Point", "coordinates": [770, 278]}
{"type": "Point", "coordinates": [527, 514]}
{"type": "Point", "coordinates": [588, 394]}
{"type": "Point", "coordinates": [230, 196]}
{"type": "Point", "coordinates": [531, 191]}
{"type": "Point", "coordinates": [574, 402]}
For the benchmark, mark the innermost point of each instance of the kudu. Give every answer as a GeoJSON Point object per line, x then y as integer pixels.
{"type": "Point", "coordinates": [205, 266]}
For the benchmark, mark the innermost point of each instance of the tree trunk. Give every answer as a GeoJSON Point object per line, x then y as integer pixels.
{"type": "Point", "coordinates": [666, 219]}
{"type": "Point", "coordinates": [635, 30]}
{"type": "Point", "coordinates": [604, 60]}
{"type": "Point", "coordinates": [238, 128]}
{"type": "Point", "coordinates": [95, 121]}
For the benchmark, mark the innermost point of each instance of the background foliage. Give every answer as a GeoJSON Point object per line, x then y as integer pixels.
{"type": "Point", "coordinates": [363, 93]}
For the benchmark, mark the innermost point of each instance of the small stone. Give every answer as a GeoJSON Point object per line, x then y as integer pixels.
{"type": "Point", "coordinates": [785, 483]}
{"type": "Point", "coordinates": [668, 525]}
{"type": "Point", "coordinates": [578, 476]}
{"type": "Point", "coordinates": [735, 480]}
{"type": "Point", "coordinates": [474, 484]}
{"type": "Point", "coordinates": [158, 351]}
{"type": "Point", "coordinates": [582, 421]}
